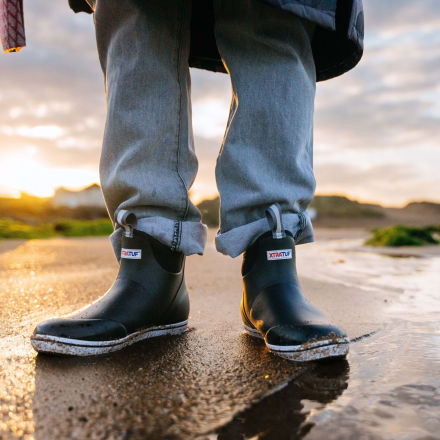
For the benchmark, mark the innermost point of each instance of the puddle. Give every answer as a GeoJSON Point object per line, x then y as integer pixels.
{"type": "Point", "coordinates": [393, 387]}
{"type": "Point", "coordinates": [283, 413]}
{"type": "Point", "coordinates": [389, 387]}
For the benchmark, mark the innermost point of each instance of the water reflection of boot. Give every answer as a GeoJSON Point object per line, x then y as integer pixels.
{"type": "Point", "coordinates": [147, 299]}
{"type": "Point", "coordinates": [281, 414]}
{"type": "Point", "coordinates": [273, 307]}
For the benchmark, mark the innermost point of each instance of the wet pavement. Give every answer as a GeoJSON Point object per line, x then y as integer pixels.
{"type": "Point", "coordinates": [214, 381]}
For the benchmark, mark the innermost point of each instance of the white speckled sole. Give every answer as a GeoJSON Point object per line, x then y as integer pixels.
{"type": "Point", "coordinates": [323, 349]}
{"type": "Point", "coordinates": [77, 347]}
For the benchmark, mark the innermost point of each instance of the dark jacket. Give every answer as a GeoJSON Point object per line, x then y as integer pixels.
{"type": "Point", "coordinates": [337, 43]}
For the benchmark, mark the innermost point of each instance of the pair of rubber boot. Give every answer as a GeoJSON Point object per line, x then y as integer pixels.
{"type": "Point", "coordinates": [149, 299]}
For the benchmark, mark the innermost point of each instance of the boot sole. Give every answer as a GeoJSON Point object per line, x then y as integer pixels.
{"type": "Point", "coordinates": [323, 349]}
{"type": "Point", "coordinates": [78, 347]}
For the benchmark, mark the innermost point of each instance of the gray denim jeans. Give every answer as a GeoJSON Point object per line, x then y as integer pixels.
{"type": "Point", "coordinates": [148, 161]}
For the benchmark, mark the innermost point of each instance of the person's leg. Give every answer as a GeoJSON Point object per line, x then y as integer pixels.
{"type": "Point", "coordinates": [265, 176]}
{"type": "Point", "coordinates": [148, 161]}
{"type": "Point", "coordinates": [266, 155]}
{"type": "Point", "coordinates": [147, 165]}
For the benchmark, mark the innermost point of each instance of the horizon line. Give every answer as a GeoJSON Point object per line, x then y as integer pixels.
{"type": "Point", "coordinates": [215, 195]}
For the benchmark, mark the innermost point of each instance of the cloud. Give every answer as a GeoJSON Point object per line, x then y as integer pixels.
{"type": "Point", "coordinates": [381, 121]}
{"type": "Point", "coordinates": [394, 17]}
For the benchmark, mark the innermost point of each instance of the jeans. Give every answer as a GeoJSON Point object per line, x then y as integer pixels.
{"type": "Point", "coordinates": [148, 161]}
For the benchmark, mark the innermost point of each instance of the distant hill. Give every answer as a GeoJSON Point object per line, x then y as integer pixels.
{"type": "Point", "coordinates": [209, 209]}
{"type": "Point", "coordinates": [339, 211]}
{"type": "Point", "coordinates": [415, 208]}
{"type": "Point", "coordinates": [415, 214]}
{"type": "Point", "coordinates": [340, 206]}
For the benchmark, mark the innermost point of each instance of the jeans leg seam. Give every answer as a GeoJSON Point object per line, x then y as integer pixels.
{"type": "Point", "coordinates": [179, 56]}
{"type": "Point", "coordinates": [177, 231]}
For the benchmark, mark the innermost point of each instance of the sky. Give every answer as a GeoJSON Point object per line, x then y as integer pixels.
{"type": "Point", "coordinates": [377, 128]}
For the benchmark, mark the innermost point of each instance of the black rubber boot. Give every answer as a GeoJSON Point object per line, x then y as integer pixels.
{"type": "Point", "coordinates": [147, 299]}
{"type": "Point", "coordinates": [273, 307]}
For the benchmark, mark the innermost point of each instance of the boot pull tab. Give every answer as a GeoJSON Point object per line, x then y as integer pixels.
{"type": "Point", "coordinates": [273, 214]}
{"type": "Point", "coordinates": [127, 220]}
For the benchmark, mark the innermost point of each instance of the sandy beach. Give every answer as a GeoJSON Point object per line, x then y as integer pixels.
{"type": "Point", "coordinates": [214, 381]}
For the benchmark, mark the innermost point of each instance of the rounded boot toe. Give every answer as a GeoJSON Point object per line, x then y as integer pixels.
{"type": "Point", "coordinates": [81, 329]}
{"type": "Point", "coordinates": [296, 335]}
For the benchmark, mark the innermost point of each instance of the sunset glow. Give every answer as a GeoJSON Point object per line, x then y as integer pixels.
{"type": "Point", "coordinates": [27, 174]}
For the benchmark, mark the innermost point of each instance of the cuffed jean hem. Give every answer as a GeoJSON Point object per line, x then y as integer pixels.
{"type": "Point", "coordinates": [184, 236]}
{"type": "Point", "coordinates": [237, 240]}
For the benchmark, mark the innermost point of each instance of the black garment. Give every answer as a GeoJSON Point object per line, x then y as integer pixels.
{"type": "Point", "coordinates": [337, 44]}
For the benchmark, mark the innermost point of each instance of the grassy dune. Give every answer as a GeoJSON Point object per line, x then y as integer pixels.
{"type": "Point", "coordinates": [404, 236]}
{"type": "Point", "coordinates": [63, 228]}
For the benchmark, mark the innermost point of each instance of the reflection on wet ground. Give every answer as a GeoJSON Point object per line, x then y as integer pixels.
{"type": "Point", "coordinates": [389, 389]}
{"type": "Point", "coordinates": [169, 388]}
{"type": "Point", "coordinates": [283, 413]}
{"type": "Point", "coordinates": [390, 386]}
{"type": "Point", "coordinates": [394, 387]}
{"type": "Point", "coordinates": [394, 381]}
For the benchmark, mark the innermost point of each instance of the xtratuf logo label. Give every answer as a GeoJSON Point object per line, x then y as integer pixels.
{"type": "Point", "coordinates": [279, 254]}
{"type": "Point", "coordinates": [132, 254]}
